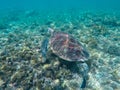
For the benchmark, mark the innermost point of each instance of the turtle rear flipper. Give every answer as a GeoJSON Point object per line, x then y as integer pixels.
{"type": "Point", "coordinates": [83, 83]}
{"type": "Point", "coordinates": [44, 48]}
{"type": "Point", "coordinates": [84, 69]}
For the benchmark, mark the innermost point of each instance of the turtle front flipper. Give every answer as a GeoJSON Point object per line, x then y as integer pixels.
{"type": "Point", "coordinates": [84, 69]}
{"type": "Point", "coordinates": [44, 48]}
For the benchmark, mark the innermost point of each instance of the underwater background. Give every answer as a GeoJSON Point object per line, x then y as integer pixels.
{"type": "Point", "coordinates": [24, 26]}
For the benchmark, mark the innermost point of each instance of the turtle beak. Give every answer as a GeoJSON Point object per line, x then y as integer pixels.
{"type": "Point", "coordinates": [50, 30]}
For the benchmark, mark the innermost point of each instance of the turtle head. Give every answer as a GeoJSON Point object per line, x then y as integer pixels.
{"type": "Point", "coordinates": [50, 30]}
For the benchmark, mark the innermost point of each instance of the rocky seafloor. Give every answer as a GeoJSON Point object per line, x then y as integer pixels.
{"type": "Point", "coordinates": [22, 66]}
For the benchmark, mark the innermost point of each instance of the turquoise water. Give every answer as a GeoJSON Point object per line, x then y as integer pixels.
{"type": "Point", "coordinates": [60, 4]}
{"type": "Point", "coordinates": [26, 63]}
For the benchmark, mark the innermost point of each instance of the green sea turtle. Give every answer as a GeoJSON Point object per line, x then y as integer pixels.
{"type": "Point", "coordinates": [68, 48]}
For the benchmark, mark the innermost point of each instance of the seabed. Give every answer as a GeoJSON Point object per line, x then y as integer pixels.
{"type": "Point", "coordinates": [22, 66]}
